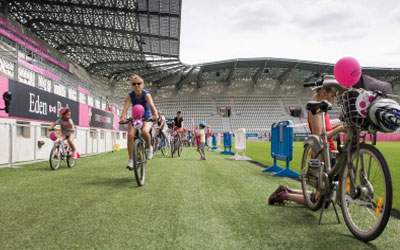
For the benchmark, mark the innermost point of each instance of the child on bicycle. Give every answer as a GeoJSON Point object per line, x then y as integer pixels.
{"type": "Point", "coordinates": [67, 128]}
{"type": "Point", "coordinates": [139, 96]}
{"type": "Point", "coordinates": [178, 124]}
{"type": "Point", "coordinates": [202, 135]}
{"type": "Point", "coordinates": [324, 92]}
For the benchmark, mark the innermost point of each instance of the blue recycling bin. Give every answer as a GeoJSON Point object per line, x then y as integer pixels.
{"type": "Point", "coordinates": [282, 149]}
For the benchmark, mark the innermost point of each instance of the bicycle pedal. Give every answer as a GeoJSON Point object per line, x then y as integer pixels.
{"type": "Point", "coordinates": [314, 163]}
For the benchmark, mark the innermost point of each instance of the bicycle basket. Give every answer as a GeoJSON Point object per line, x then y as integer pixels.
{"type": "Point", "coordinates": [354, 104]}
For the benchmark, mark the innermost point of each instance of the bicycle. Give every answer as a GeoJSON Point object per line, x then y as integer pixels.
{"type": "Point", "coordinates": [59, 152]}
{"type": "Point", "coordinates": [139, 152]}
{"type": "Point", "coordinates": [364, 190]}
{"type": "Point", "coordinates": [176, 144]}
{"type": "Point", "coordinates": [163, 145]}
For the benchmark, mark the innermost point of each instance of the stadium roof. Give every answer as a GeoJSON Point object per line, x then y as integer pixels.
{"type": "Point", "coordinates": [256, 69]}
{"type": "Point", "coordinates": [114, 38]}
{"type": "Point", "coordinates": [117, 38]}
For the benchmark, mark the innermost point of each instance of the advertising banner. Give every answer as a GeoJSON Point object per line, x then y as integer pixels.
{"type": "Point", "coordinates": [33, 103]}
{"type": "Point", "coordinates": [101, 119]}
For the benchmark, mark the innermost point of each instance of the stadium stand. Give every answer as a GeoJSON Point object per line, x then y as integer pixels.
{"type": "Point", "coordinates": [101, 59]}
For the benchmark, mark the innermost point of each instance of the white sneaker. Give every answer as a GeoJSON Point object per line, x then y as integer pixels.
{"type": "Point", "coordinates": [150, 153]}
{"type": "Point", "coordinates": [130, 164]}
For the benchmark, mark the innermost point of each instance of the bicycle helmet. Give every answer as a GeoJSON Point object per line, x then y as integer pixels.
{"type": "Point", "coordinates": [63, 111]}
{"type": "Point", "coordinates": [384, 113]}
{"type": "Point", "coordinates": [203, 124]}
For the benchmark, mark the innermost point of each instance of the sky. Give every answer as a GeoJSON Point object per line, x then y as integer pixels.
{"type": "Point", "coordinates": [315, 30]}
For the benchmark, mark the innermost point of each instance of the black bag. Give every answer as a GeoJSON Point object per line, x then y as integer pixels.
{"type": "Point", "coordinates": [370, 83]}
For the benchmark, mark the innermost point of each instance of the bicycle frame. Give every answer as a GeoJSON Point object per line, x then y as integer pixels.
{"type": "Point", "coordinates": [62, 145]}
{"type": "Point", "coordinates": [343, 159]}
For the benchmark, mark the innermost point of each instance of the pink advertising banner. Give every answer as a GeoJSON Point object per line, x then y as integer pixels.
{"type": "Point", "coordinates": [18, 40]}
{"type": "Point", "coordinates": [3, 88]}
{"type": "Point", "coordinates": [37, 69]}
{"type": "Point", "coordinates": [84, 115]}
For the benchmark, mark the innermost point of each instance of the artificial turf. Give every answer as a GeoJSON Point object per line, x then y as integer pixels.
{"type": "Point", "coordinates": [261, 152]}
{"type": "Point", "coordinates": [185, 204]}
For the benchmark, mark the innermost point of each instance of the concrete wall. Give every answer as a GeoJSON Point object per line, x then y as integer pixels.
{"type": "Point", "coordinates": [25, 147]}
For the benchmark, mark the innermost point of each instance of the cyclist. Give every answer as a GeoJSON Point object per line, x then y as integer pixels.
{"type": "Point", "coordinates": [178, 124]}
{"type": "Point", "coordinates": [67, 128]}
{"type": "Point", "coordinates": [142, 97]}
{"type": "Point", "coordinates": [324, 92]}
{"type": "Point", "coordinates": [162, 125]}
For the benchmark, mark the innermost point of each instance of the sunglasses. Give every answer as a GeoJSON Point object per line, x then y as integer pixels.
{"type": "Point", "coordinates": [136, 83]}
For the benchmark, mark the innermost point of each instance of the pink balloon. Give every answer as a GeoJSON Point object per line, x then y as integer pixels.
{"type": "Point", "coordinates": [347, 71]}
{"type": "Point", "coordinates": [137, 111]}
{"type": "Point", "coordinates": [53, 136]}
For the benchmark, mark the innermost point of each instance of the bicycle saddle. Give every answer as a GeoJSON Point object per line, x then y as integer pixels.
{"type": "Point", "coordinates": [314, 106]}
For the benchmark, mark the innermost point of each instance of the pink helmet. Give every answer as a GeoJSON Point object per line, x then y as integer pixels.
{"type": "Point", "coordinates": [63, 111]}
{"type": "Point", "coordinates": [53, 136]}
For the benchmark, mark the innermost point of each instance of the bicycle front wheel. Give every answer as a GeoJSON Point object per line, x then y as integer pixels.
{"type": "Point", "coordinates": [55, 157]}
{"type": "Point", "coordinates": [366, 209]}
{"type": "Point", "coordinates": [139, 161]}
{"type": "Point", "coordinates": [173, 145]}
{"type": "Point", "coordinates": [163, 148]}
{"type": "Point", "coordinates": [71, 162]}
{"type": "Point", "coordinates": [180, 149]}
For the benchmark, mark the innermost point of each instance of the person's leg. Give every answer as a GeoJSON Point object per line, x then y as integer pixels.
{"type": "Point", "coordinates": [298, 198]}
{"type": "Point", "coordinates": [146, 133]}
{"type": "Point", "coordinates": [147, 138]}
{"type": "Point", "coordinates": [71, 143]}
{"type": "Point", "coordinates": [131, 140]}
{"type": "Point", "coordinates": [204, 154]}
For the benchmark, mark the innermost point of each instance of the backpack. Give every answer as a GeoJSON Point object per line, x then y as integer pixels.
{"type": "Point", "coordinates": [370, 83]}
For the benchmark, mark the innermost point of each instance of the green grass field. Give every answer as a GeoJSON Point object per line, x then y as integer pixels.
{"type": "Point", "coordinates": [185, 204]}
{"type": "Point", "coordinates": [261, 152]}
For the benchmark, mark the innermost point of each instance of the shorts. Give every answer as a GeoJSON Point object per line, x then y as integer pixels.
{"type": "Point", "coordinates": [178, 129]}
{"type": "Point", "coordinates": [67, 134]}
{"type": "Point", "coordinates": [200, 146]}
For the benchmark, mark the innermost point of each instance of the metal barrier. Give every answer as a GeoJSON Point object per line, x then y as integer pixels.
{"type": "Point", "coordinates": [240, 145]}
{"type": "Point", "coordinates": [227, 144]}
{"type": "Point", "coordinates": [214, 142]}
{"type": "Point", "coordinates": [22, 146]}
{"type": "Point", "coordinates": [282, 149]}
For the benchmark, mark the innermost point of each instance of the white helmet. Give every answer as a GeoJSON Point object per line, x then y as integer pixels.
{"type": "Point", "coordinates": [385, 114]}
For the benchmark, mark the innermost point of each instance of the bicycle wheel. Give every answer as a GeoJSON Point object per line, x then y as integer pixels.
{"type": "Point", "coordinates": [173, 145]}
{"type": "Point", "coordinates": [163, 148]}
{"type": "Point", "coordinates": [310, 180]}
{"type": "Point", "coordinates": [70, 161]}
{"type": "Point", "coordinates": [367, 213]}
{"type": "Point", "coordinates": [55, 157]}
{"type": "Point", "coordinates": [180, 149]}
{"type": "Point", "coordinates": [139, 161]}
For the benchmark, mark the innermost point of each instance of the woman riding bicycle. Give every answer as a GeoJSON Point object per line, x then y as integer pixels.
{"type": "Point", "coordinates": [324, 92]}
{"type": "Point", "coordinates": [142, 97]}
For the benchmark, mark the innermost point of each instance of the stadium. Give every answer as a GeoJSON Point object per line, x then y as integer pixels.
{"type": "Point", "coordinates": [82, 55]}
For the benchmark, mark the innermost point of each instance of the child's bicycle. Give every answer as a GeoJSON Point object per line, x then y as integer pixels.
{"type": "Point", "coordinates": [364, 188]}
{"type": "Point", "coordinates": [176, 144]}
{"type": "Point", "coordinates": [60, 151]}
{"type": "Point", "coordinates": [139, 152]}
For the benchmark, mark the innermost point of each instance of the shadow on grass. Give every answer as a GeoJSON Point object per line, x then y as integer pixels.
{"type": "Point", "coordinates": [115, 182]}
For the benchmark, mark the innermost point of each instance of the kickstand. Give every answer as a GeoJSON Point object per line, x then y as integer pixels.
{"type": "Point", "coordinates": [328, 200]}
